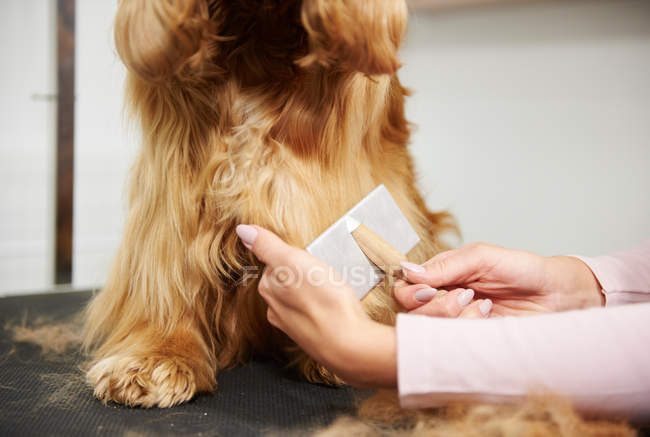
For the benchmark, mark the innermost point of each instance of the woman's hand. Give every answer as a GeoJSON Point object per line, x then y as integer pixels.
{"type": "Point", "coordinates": [516, 282]}
{"type": "Point", "coordinates": [313, 305]}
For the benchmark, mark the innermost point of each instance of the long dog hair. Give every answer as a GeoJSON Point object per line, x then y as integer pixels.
{"type": "Point", "coordinates": [279, 113]}
{"type": "Point", "coordinates": [283, 113]}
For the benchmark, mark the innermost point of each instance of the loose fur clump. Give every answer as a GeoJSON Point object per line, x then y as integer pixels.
{"type": "Point", "coordinates": [52, 338]}
{"type": "Point", "coordinates": [538, 416]}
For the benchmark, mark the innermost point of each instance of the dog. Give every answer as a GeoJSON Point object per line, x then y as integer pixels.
{"type": "Point", "coordinates": [281, 113]}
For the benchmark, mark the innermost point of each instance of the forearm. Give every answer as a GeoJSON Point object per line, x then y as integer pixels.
{"type": "Point", "coordinates": [571, 284]}
{"type": "Point", "coordinates": [624, 276]}
{"type": "Point", "coordinates": [598, 358]}
{"type": "Point", "coordinates": [366, 356]}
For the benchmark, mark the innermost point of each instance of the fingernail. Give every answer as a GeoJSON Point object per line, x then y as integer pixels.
{"type": "Point", "coordinates": [415, 268]}
{"type": "Point", "coordinates": [247, 233]}
{"type": "Point", "coordinates": [425, 295]}
{"type": "Point", "coordinates": [465, 297]}
{"type": "Point", "coordinates": [485, 307]}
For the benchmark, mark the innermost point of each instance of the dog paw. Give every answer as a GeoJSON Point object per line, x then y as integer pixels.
{"type": "Point", "coordinates": [143, 381]}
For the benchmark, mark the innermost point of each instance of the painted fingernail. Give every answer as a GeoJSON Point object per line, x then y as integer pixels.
{"type": "Point", "coordinates": [247, 233]}
{"type": "Point", "coordinates": [415, 268]}
{"type": "Point", "coordinates": [465, 297]}
{"type": "Point", "coordinates": [485, 307]}
{"type": "Point", "coordinates": [425, 295]}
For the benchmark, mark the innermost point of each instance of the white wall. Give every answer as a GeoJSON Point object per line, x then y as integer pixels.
{"type": "Point", "coordinates": [533, 126]}
{"type": "Point", "coordinates": [103, 150]}
{"type": "Point", "coordinates": [27, 136]}
{"type": "Point", "coordinates": [534, 122]}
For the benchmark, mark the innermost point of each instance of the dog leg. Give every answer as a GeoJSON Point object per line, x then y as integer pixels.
{"type": "Point", "coordinates": [146, 371]}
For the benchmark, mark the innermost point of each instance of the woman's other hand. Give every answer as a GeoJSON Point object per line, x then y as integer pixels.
{"type": "Point", "coordinates": [511, 282]}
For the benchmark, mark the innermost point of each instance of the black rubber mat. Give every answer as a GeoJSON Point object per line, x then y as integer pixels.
{"type": "Point", "coordinates": [45, 395]}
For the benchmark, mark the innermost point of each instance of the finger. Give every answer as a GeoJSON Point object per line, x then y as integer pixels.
{"type": "Point", "coordinates": [479, 309]}
{"type": "Point", "coordinates": [266, 292]}
{"type": "Point", "coordinates": [273, 318]}
{"type": "Point", "coordinates": [412, 296]}
{"type": "Point", "coordinates": [454, 267]}
{"type": "Point", "coordinates": [268, 247]}
{"type": "Point", "coordinates": [276, 296]}
{"type": "Point", "coordinates": [450, 304]}
{"type": "Point", "coordinates": [263, 287]}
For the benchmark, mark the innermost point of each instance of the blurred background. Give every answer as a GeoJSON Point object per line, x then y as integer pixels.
{"type": "Point", "coordinates": [532, 126]}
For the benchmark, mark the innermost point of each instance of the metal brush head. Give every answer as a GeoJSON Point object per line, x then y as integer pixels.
{"type": "Point", "coordinates": [336, 246]}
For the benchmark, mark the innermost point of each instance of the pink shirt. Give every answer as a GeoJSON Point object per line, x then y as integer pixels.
{"type": "Point", "coordinates": [599, 358]}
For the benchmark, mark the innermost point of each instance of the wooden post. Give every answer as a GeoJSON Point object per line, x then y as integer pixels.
{"type": "Point", "coordinates": [65, 140]}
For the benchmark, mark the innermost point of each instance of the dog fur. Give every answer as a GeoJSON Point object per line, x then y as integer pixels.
{"type": "Point", "coordinates": [282, 113]}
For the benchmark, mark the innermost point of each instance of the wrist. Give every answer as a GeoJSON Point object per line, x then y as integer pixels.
{"type": "Point", "coordinates": [573, 284]}
{"type": "Point", "coordinates": [367, 355]}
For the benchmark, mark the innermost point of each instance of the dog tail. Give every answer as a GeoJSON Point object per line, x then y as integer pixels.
{"type": "Point", "coordinates": [165, 40]}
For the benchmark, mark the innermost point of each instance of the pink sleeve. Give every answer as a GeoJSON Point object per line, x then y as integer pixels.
{"type": "Point", "coordinates": [624, 275]}
{"type": "Point", "coordinates": [599, 358]}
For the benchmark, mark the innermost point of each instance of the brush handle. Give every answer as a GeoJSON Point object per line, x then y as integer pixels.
{"type": "Point", "coordinates": [378, 250]}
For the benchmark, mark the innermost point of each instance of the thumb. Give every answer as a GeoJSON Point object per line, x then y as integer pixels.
{"type": "Point", "coordinates": [445, 269]}
{"type": "Point", "coordinates": [268, 247]}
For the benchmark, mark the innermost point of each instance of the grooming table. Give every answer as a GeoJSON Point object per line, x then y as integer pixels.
{"type": "Point", "coordinates": [42, 395]}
